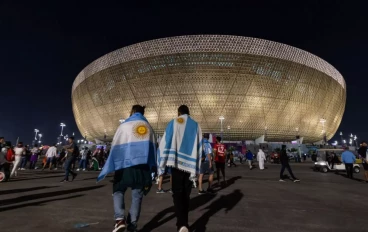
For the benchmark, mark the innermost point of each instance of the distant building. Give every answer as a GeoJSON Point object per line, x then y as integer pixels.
{"type": "Point", "coordinates": [260, 87]}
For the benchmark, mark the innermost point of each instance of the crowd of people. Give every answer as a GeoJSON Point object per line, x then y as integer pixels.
{"type": "Point", "coordinates": [137, 159]}
{"type": "Point", "coordinates": [15, 159]}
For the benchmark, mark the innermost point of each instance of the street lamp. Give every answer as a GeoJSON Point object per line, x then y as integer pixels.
{"type": "Point", "coordinates": [222, 129]}
{"type": "Point", "coordinates": [39, 135]}
{"type": "Point", "coordinates": [356, 142]}
{"type": "Point", "coordinates": [344, 141]}
{"type": "Point", "coordinates": [228, 128]}
{"type": "Point", "coordinates": [341, 136]}
{"type": "Point", "coordinates": [36, 131]}
{"type": "Point", "coordinates": [62, 127]}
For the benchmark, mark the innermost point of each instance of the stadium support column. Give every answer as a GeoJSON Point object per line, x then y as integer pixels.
{"type": "Point", "coordinates": [259, 140]}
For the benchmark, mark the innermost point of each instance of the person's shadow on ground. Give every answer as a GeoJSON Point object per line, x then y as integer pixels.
{"type": "Point", "coordinates": [195, 203]}
{"type": "Point", "coordinates": [226, 202]}
{"type": "Point", "coordinates": [346, 176]}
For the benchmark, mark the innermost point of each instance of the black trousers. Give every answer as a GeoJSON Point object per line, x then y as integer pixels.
{"type": "Point", "coordinates": [287, 166]}
{"type": "Point", "coordinates": [181, 188]}
{"type": "Point", "coordinates": [349, 170]}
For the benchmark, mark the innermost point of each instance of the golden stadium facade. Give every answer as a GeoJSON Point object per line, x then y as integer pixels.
{"type": "Point", "coordinates": [260, 87]}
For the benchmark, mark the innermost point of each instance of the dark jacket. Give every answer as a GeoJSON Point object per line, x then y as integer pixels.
{"type": "Point", "coordinates": [136, 177]}
{"type": "Point", "coordinates": [284, 159]}
{"type": "Point", "coordinates": [362, 151]}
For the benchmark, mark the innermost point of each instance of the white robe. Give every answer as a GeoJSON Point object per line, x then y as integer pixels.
{"type": "Point", "coordinates": [261, 158]}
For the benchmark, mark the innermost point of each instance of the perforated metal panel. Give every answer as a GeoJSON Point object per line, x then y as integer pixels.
{"type": "Point", "coordinates": [259, 87]}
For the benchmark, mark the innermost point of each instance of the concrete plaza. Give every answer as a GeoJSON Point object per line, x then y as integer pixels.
{"type": "Point", "coordinates": [253, 201]}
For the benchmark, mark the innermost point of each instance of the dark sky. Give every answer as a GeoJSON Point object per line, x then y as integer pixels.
{"type": "Point", "coordinates": [44, 45]}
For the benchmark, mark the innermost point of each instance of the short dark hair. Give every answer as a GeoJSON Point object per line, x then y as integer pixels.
{"type": "Point", "coordinates": [20, 143]}
{"type": "Point", "coordinates": [138, 109]}
{"type": "Point", "coordinates": [206, 135]}
{"type": "Point", "coordinates": [54, 144]}
{"type": "Point", "coordinates": [1, 137]}
{"type": "Point", "coordinates": [218, 138]}
{"type": "Point", "coordinates": [71, 137]}
{"type": "Point", "coordinates": [183, 109]}
{"type": "Point", "coordinates": [36, 145]}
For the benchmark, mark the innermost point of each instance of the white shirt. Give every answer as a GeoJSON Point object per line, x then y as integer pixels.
{"type": "Point", "coordinates": [51, 152]}
{"type": "Point", "coordinates": [18, 150]}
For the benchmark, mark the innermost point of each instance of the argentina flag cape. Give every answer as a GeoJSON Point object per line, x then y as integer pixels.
{"type": "Point", "coordinates": [181, 146]}
{"type": "Point", "coordinates": [134, 143]}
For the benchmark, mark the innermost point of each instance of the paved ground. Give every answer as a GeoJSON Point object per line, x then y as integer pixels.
{"type": "Point", "coordinates": [253, 201]}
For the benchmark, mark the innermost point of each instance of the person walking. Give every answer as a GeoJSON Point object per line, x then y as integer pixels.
{"type": "Point", "coordinates": [220, 158]}
{"type": "Point", "coordinates": [72, 154]}
{"type": "Point", "coordinates": [348, 158]}
{"type": "Point", "coordinates": [285, 165]}
{"type": "Point", "coordinates": [160, 179]}
{"type": "Point", "coordinates": [34, 157]}
{"type": "Point", "coordinates": [24, 158]}
{"type": "Point", "coordinates": [83, 160]}
{"type": "Point", "coordinates": [50, 156]}
{"type": "Point", "coordinates": [19, 150]}
{"type": "Point", "coordinates": [180, 148]}
{"type": "Point", "coordinates": [4, 163]}
{"type": "Point", "coordinates": [362, 151]}
{"type": "Point", "coordinates": [261, 157]}
{"type": "Point", "coordinates": [249, 157]}
{"type": "Point", "coordinates": [206, 166]}
{"type": "Point", "coordinates": [132, 157]}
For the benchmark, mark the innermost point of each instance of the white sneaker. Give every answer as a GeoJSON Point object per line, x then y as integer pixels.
{"type": "Point", "coordinates": [55, 168]}
{"type": "Point", "coordinates": [281, 180]}
{"type": "Point", "coordinates": [78, 170]}
{"type": "Point", "coordinates": [183, 229]}
{"type": "Point", "coordinates": [84, 169]}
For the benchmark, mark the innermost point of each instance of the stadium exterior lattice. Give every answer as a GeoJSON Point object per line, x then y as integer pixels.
{"type": "Point", "coordinates": [260, 87]}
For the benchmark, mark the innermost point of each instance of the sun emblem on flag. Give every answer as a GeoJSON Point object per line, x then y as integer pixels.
{"type": "Point", "coordinates": [180, 120]}
{"type": "Point", "coordinates": [140, 130]}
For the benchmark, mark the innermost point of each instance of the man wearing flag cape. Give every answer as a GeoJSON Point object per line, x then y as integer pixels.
{"type": "Point", "coordinates": [181, 148]}
{"type": "Point", "coordinates": [132, 157]}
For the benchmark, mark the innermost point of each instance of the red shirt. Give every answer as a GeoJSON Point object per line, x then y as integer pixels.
{"type": "Point", "coordinates": [220, 153]}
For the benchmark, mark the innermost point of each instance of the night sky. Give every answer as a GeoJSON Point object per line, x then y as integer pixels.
{"type": "Point", "coordinates": [44, 45]}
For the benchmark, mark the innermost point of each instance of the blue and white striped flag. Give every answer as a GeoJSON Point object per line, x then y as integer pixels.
{"type": "Point", "coordinates": [134, 143]}
{"type": "Point", "coordinates": [181, 145]}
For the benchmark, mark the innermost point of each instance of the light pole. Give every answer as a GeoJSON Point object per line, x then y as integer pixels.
{"type": "Point", "coordinates": [228, 129]}
{"type": "Point", "coordinates": [62, 127]}
{"type": "Point", "coordinates": [344, 141]}
{"type": "Point", "coordinates": [341, 137]}
{"type": "Point", "coordinates": [356, 141]}
{"type": "Point", "coordinates": [36, 131]}
{"type": "Point", "coordinates": [40, 135]}
{"type": "Point", "coordinates": [222, 129]}
{"type": "Point", "coordinates": [298, 140]}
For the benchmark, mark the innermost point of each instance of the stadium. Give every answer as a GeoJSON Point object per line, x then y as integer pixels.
{"type": "Point", "coordinates": [259, 87]}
